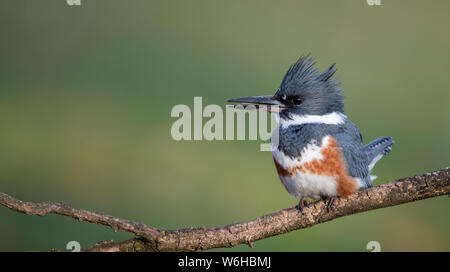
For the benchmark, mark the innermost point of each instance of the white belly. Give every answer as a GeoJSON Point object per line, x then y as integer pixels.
{"type": "Point", "coordinates": [309, 185]}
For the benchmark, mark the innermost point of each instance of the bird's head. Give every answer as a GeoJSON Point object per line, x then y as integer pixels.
{"type": "Point", "coordinates": [303, 91]}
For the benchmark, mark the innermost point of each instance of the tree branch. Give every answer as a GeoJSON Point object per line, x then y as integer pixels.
{"type": "Point", "coordinates": [195, 239]}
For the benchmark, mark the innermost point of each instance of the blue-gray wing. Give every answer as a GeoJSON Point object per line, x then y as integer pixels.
{"type": "Point", "coordinates": [354, 154]}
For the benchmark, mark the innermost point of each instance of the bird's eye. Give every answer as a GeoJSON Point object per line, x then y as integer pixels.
{"type": "Point", "coordinates": [297, 100]}
{"type": "Point", "coordinates": [283, 98]}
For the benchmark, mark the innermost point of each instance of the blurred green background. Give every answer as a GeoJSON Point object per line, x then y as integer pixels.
{"type": "Point", "coordinates": [86, 94]}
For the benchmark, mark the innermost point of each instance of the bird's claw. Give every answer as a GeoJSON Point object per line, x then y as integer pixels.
{"type": "Point", "coordinates": [303, 203]}
{"type": "Point", "coordinates": [330, 203]}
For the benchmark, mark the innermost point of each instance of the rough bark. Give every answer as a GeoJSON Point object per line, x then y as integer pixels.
{"type": "Point", "coordinates": [195, 239]}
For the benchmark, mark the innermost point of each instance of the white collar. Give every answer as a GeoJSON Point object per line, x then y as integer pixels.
{"type": "Point", "coordinates": [334, 118]}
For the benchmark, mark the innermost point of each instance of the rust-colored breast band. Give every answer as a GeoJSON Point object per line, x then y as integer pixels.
{"type": "Point", "coordinates": [332, 164]}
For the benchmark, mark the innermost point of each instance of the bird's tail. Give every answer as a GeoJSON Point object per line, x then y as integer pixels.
{"type": "Point", "coordinates": [376, 149]}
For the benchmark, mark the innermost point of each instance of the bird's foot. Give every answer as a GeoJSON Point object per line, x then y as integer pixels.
{"type": "Point", "coordinates": [329, 201]}
{"type": "Point", "coordinates": [303, 203]}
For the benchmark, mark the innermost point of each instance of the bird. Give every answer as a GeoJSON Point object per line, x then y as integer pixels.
{"type": "Point", "coordinates": [318, 152]}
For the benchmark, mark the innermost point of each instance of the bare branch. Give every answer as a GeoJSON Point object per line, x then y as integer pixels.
{"type": "Point", "coordinates": [152, 239]}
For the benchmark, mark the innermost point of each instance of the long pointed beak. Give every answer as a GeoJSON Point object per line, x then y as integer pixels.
{"type": "Point", "coordinates": [272, 105]}
{"type": "Point", "coordinates": [256, 100]}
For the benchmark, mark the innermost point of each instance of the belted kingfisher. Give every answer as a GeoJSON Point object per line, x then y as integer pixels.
{"type": "Point", "coordinates": [319, 152]}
